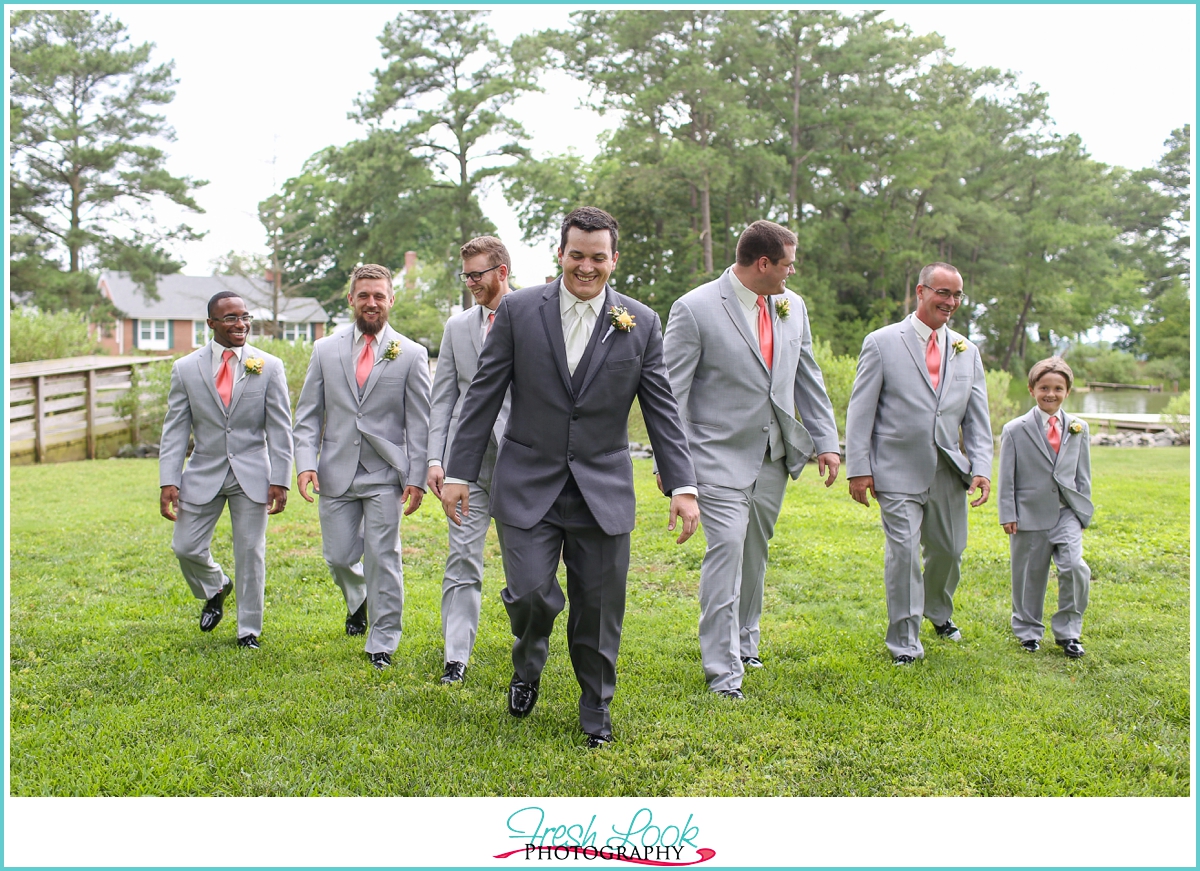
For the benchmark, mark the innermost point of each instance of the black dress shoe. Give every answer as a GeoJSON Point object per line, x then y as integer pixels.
{"type": "Point", "coordinates": [730, 694]}
{"type": "Point", "coordinates": [1031, 645]}
{"type": "Point", "coordinates": [903, 659]}
{"type": "Point", "coordinates": [356, 623]}
{"type": "Point", "coordinates": [1072, 648]}
{"type": "Point", "coordinates": [948, 631]}
{"type": "Point", "coordinates": [455, 672]}
{"type": "Point", "coordinates": [381, 660]}
{"type": "Point", "coordinates": [522, 696]}
{"type": "Point", "coordinates": [214, 609]}
{"type": "Point", "coordinates": [752, 662]}
{"type": "Point", "coordinates": [250, 641]}
{"type": "Point", "coordinates": [595, 741]}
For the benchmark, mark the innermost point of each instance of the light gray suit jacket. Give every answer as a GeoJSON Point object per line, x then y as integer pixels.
{"type": "Point", "coordinates": [389, 426]}
{"type": "Point", "coordinates": [253, 436]}
{"type": "Point", "coordinates": [1033, 479]}
{"type": "Point", "coordinates": [458, 361]}
{"type": "Point", "coordinates": [726, 393]}
{"type": "Point", "coordinates": [897, 424]}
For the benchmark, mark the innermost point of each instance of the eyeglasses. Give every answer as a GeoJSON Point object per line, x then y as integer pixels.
{"type": "Point", "coordinates": [946, 295]}
{"type": "Point", "coordinates": [475, 276]}
{"type": "Point", "coordinates": [230, 320]}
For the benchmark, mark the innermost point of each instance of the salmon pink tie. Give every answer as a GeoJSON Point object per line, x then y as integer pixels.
{"type": "Point", "coordinates": [1054, 436]}
{"type": "Point", "coordinates": [225, 377]}
{"type": "Point", "coordinates": [933, 360]}
{"type": "Point", "coordinates": [491, 320]}
{"type": "Point", "coordinates": [766, 342]}
{"type": "Point", "coordinates": [366, 360]}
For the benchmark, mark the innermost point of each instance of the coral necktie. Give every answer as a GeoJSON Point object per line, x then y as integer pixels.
{"type": "Point", "coordinates": [933, 360]}
{"type": "Point", "coordinates": [366, 360]}
{"type": "Point", "coordinates": [491, 320]}
{"type": "Point", "coordinates": [1054, 436]}
{"type": "Point", "coordinates": [225, 377]}
{"type": "Point", "coordinates": [766, 342]}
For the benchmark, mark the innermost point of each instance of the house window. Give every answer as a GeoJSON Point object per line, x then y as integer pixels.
{"type": "Point", "coordinates": [152, 335]}
{"type": "Point", "coordinates": [297, 332]}
{"type": "Point", "coordinates": [200, 333]}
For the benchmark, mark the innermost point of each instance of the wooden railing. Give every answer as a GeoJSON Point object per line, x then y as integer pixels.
{"type": "Point", "coordinates": [61, 406]}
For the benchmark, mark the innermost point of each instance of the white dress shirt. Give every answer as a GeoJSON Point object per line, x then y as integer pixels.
{"type": "Point", "coordinates": [218, 356]}
{"type": "Point", "coordinates": [749, 301]}
{"type": "Point", "coordinates": [923, 330]}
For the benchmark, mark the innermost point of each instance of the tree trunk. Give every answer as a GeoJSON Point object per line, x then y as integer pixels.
{"type": "Point", "coordinates": [464, 202]}
{"type": "Point", "coordinates": [706, 225]}
{"type": "Point", "coordinates": [1017, 332]}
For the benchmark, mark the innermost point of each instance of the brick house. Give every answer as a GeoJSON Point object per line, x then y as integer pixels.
{"type": "Point", "coordinates": [177, 322]}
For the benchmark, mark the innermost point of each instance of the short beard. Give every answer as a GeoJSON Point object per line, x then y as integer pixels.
{"type": "Point", "coordinates": [368, 328]}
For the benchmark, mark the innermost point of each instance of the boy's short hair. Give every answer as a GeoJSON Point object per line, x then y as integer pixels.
{"type": "Point", "coordinates": [1051, 365]}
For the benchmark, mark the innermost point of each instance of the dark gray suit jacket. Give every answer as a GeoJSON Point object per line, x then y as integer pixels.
{"type": "Point", "coordinates": [555, 428]}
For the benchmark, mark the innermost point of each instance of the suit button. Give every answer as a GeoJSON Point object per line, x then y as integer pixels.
{"type": "Point", "coordinates": [766, 429]}
{"type": "Point", "coordinates": [574, 417]}
{"type": "Point", "coordinates": [230, 429]}
{"type": "Point", "coordinates": [570, 458]}
{"type": "Point", "coordinates": [360, 415]}
{"type": "Point", "coordinates": [231, 456]}
{"type": "Point", "coordinates": [356, 441]}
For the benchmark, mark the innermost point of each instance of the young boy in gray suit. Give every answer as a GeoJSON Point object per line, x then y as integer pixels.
{"type": "Point", "coordinates": [1045, 503]}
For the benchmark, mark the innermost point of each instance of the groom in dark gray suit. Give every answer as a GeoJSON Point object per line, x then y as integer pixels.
{"type": "Point", "coordinates": [576, 354]}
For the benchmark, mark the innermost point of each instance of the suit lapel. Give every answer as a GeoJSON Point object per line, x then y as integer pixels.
{"type": "Point", "coordinates": [912, 341]}
{"type": "Point", "coordinates": [780, 338]}
{"type": "Point", "coordinates": [204, 364]}
{"type": "Point", "coordinates": [477, 330]}
{"type": "Point", "coordinates": [599, 352]}
{"type": "Point", "coordinates": [345, 352]}
{"type": "Point", "coordinates": [239, 377]}
{"type": "Point", "coordinates": [733, 308]}
{"type": "Point", "coordinates": [552, 323]}
{"type": "Point", "coordinates": [1033, 428]}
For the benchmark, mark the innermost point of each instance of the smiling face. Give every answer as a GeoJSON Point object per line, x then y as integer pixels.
{"type": "Point", "coordinates": [935, 309]}
{"type": "Point", "coordinates": [229, 335]}
{"type": "Point", "coordinates": [774, 276]}
{"type": "Point", "coordinates": [1050, 391]}
{"type": "Point", "coordinates": [371, 301]}
{"type": "Point", "coordinates": [587, 261]}
{"type": "Point", "coordinates": [491, 285]}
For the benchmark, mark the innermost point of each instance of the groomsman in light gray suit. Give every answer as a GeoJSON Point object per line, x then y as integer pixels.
{"type": "Point", "coordinates": [739, 354]}
{"type": "Point", "coordinates": [485, 264]}
{"type": "Point", "coordinates": [362, 425]}
{"type": "Point", "coordinates": [576, 353]}
{"type": "Point", "coordinates": [234, 399]}
{"type": "Point", "coordinates": [919, 389]}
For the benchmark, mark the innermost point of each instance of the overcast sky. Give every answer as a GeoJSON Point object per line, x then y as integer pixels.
{"type": "Point", "coordinates": [264, 87]}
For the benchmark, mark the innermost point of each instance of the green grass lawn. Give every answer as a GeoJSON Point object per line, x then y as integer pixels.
{"type": "Point", "coordinates": [115, 691]}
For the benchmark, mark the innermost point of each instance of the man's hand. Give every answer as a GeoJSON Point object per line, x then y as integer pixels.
{"type": "Point", "coordinates": [276, 499]}
{"type": "Point", "coordinates": [984, 486]}
{"type": "Point", "coordinates": [686, 508]}
{"type": "Point", "coordinates": [452, 495]}
{"type": "Point", "coordinates": [302, 482]}
{"type": "Point", "coordinates": [434, 478]}
{"type": "Point", "coordinates": [412, 496]}
{"type": "Point", "coordinates": [831, 461]}
{"type": "Point", "coordinates": [168, 502]}
{"type": "Point", "coordinates": [1010, 528]}
{"type": "Point", "coordinates": [860, 485]}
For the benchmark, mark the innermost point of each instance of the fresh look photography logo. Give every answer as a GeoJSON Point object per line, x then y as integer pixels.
{"type": "Point", "coordinates": [642, 840]}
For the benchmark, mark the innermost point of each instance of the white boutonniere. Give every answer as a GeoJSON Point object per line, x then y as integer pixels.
{"type": "Point", "coordinates": [619, 318]}
{"type": "Point", "coordinates": [254, 365]}
{"type": "Point", "coordinates": [393, 350]}
{"type": "Point", "coordinates": [783, 308]}
{"type": "Point", "coordinates": [1075, 427]}
{"type": "Point", "coordinates": [960, 345]}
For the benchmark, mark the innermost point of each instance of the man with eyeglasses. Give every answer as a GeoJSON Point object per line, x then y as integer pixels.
{"type": "Point", "coordinates": [486, 265]}
{"type": "Point", "coordinates": [362, 425]}
{"type": "Point", "coordinates": [234, 399]}
{"type": "Point", "coordinates": [919, 389]}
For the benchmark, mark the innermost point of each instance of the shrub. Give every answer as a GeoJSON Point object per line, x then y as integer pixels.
{"type": "Point", "coordinates": [295, 357]}
{"type": "Point", "coordinates": [1102, 363]}
{"type": "Point", "coordinates": [1178, 412]}
{"type": "Point", "coordinates": [839, 371]}
{"type": "Point", "coordinates": [145, 404]}
{"type": "Point", "coordinates": [1166, 369]}
{"type": "Point", "coordinates": [39, 335]}
{"type": "Point", "coordinates": [1001, 407]}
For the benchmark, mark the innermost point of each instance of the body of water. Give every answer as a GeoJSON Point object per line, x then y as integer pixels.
{"type": "Point", "coordinates": [1101, 401]}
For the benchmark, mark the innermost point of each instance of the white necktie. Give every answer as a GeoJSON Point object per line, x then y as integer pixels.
{"type": "Point", "coordinates": [578, 333]}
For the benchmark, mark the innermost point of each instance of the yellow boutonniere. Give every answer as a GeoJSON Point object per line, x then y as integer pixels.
{"type": "Point", "coordinates": [1075, 428]}
{"type": "Point", "coordinates": [960, 346]}
{"type": "Point", "coordinates": [254, 365]}
{"type": "Point", "coordinates": [783, 308]}
{"type": "Point", "coordinates": [393, 350]}
{"type": "Point", "coordinates": [621, 318]}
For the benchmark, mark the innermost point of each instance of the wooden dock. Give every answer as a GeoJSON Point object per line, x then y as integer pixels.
{"type": "Point", "coordinates": [1111, 422]}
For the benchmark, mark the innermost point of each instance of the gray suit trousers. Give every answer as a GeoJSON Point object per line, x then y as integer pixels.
{"type": "Point", "coordinates": [462, 584]}
{"type": "Point", "coordinates": [597, 565]}
{"type": "Point", "coordinates": [738, 524]}
{"type": "Point", "coordinates": [934, 522]}
{"type": "Point", "coordinates": [193, 535]}
{"type": "Point", "coordinates": [360, 532]}
{"type": "Point", "coordinates": [1031, 553]}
